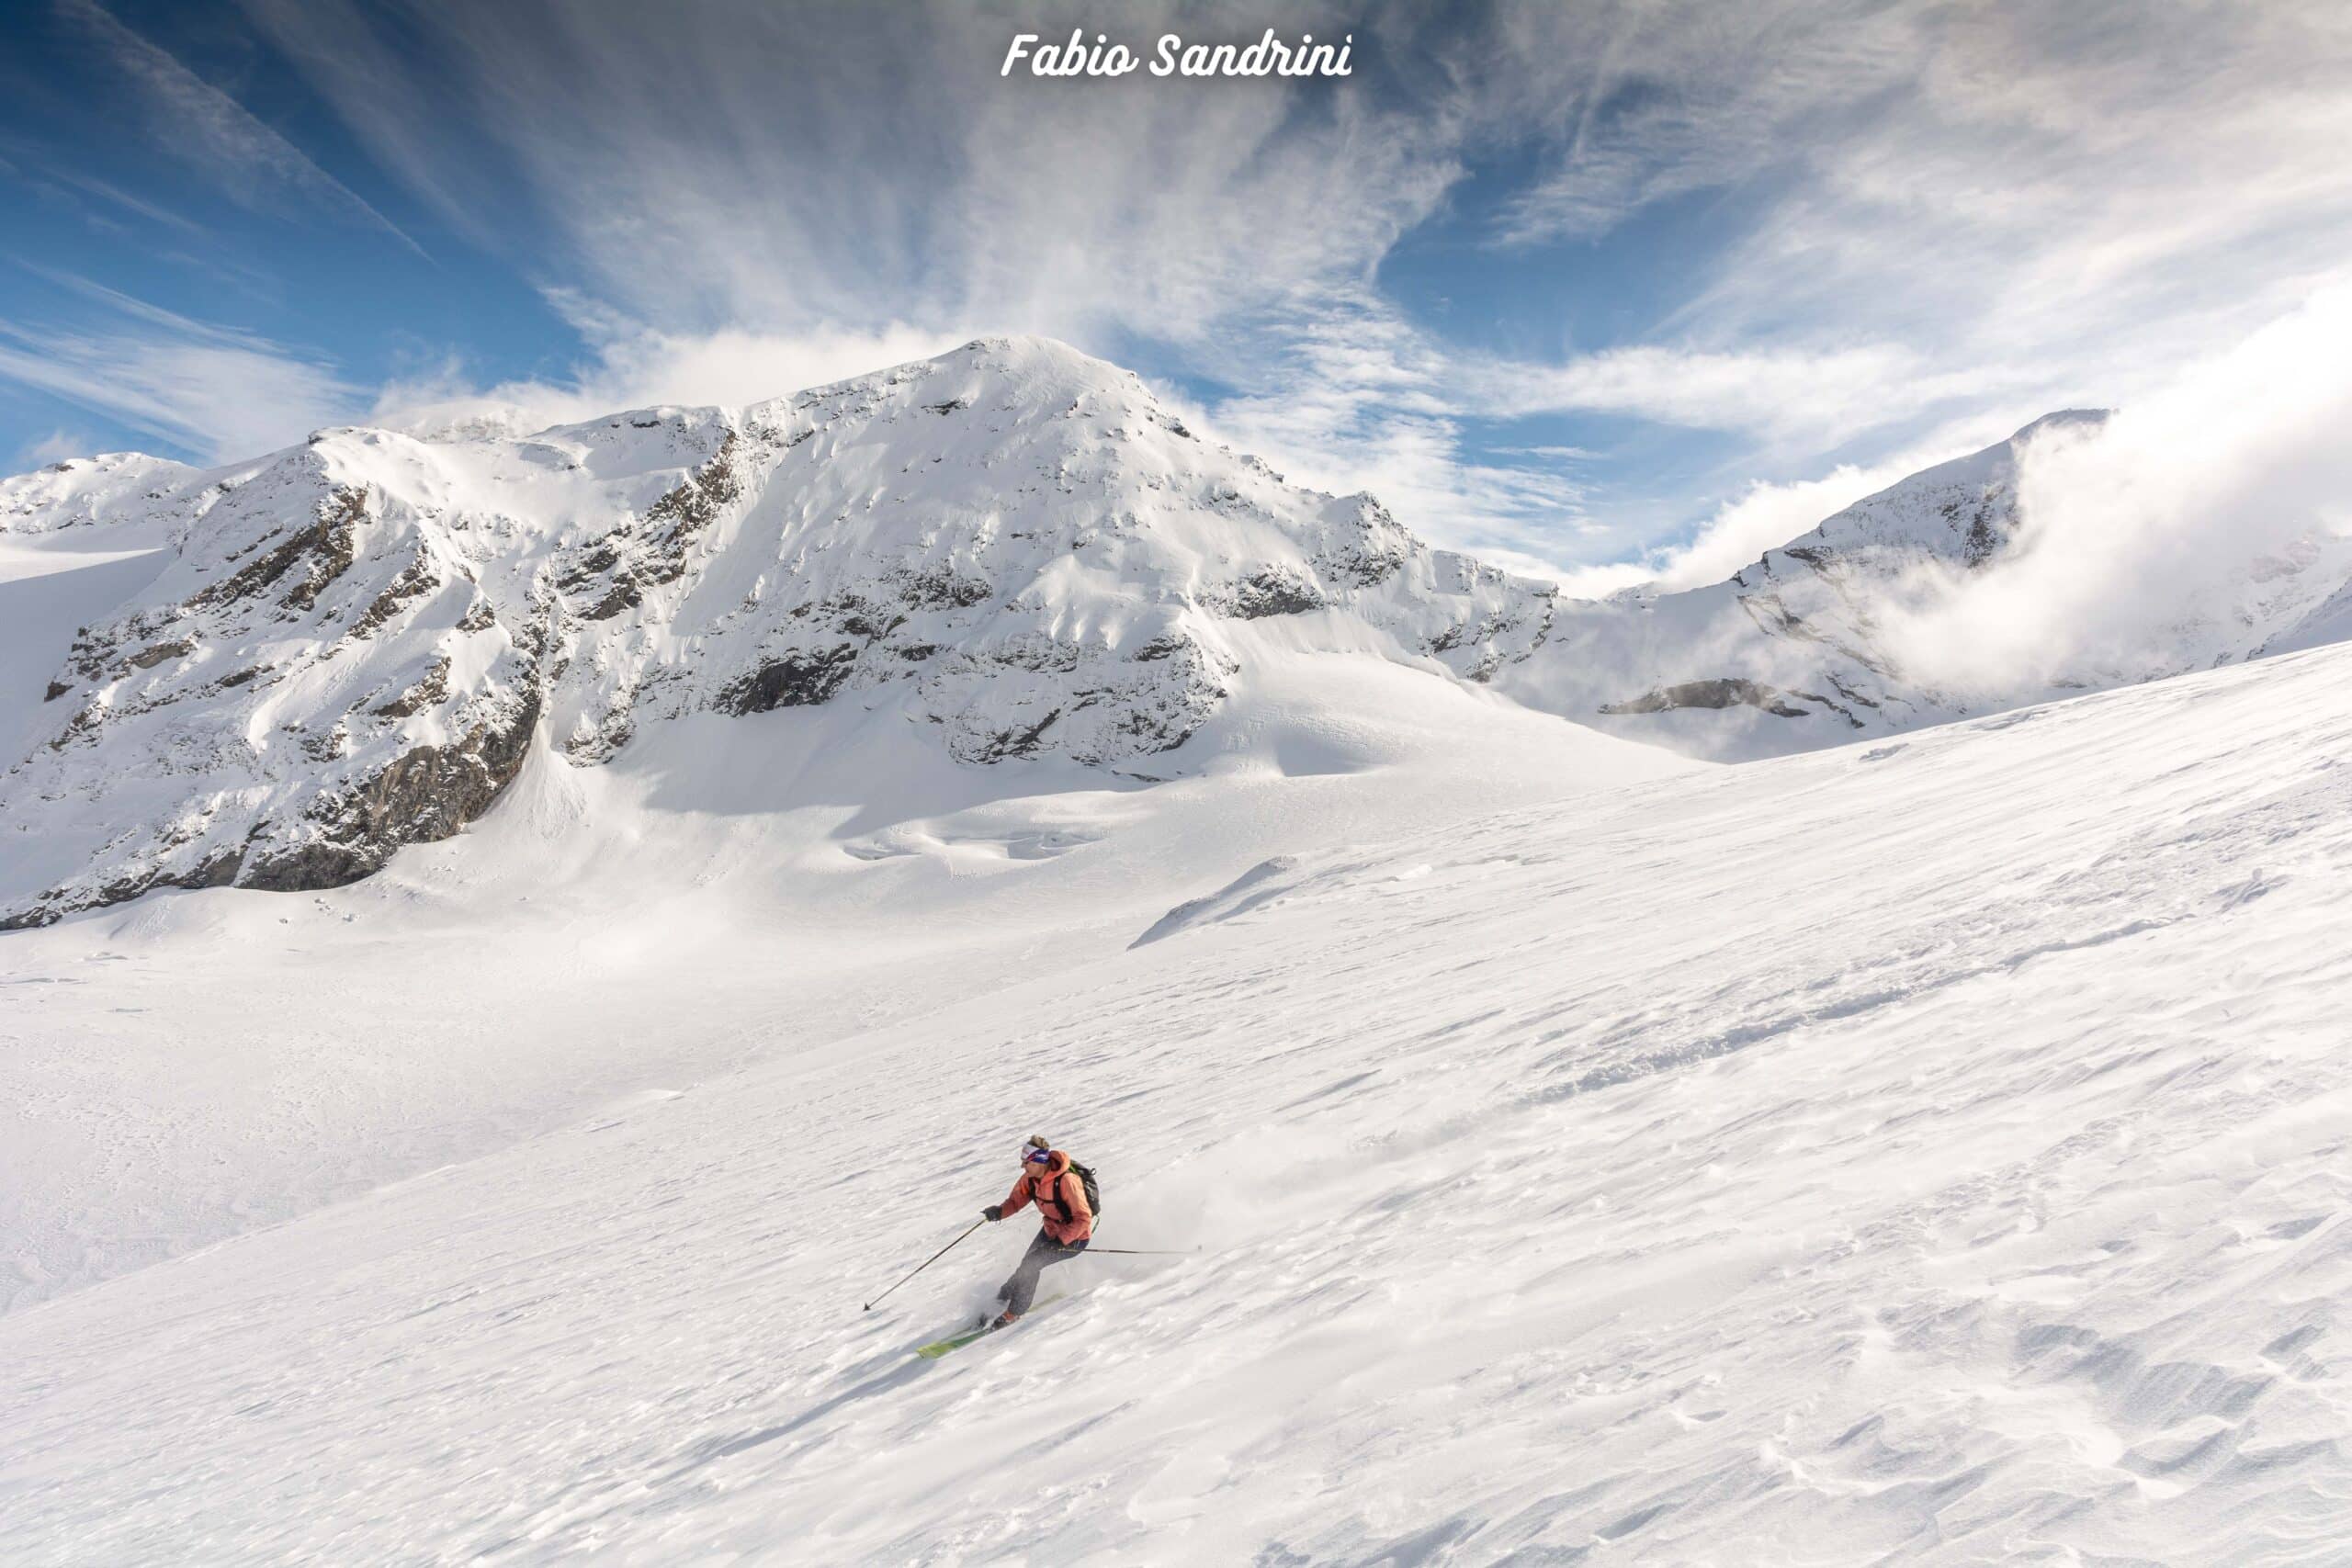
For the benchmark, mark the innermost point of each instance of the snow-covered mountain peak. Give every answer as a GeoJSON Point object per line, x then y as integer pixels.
{"type": "Point", "coordinates": [1016, 549]}
{"type": "Point", "coordinates": [82, 492]}
{"type": "Point", "coordinates": [1013, 547]}
{"type": "Point", "coordinates": [1962, 511]}
{"type": "Point", "coordinates": [1793, 651]}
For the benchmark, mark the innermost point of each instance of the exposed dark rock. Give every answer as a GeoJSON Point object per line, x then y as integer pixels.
{"type": "Point", "coordinates": [1717, 694]}
{"type": "Point", "coordinates": [1987, 530]}
{"type": "Point", "coordinates": [217, 871]}
{"type": "Point", "coordinates": [1379, 550]}
{"type": "Point", "coordinates": [1015, 742]}
{"type": "Point", "coordinates": [427, 693]}
{"type": "Point", "coordinates": [421, 796]}
{"type": "Point", "coordinates": [1487, 635]}
{"type": "Point", "coordinates": [1851, 696]}
{"type": "Point", "coordinates": [867, 621]}
{"type": "Point", "coordinates": [81, 725]}
{"type": "Point", "coordinates": [418, 579]}
{"type": "Point", "coordinates": [1270, 592]}
{"type": "Point", "coordinates": [683, 513]}
{"type": "Point", "coordinates": [601, 742]}
{"type": "Point", "coordinates": [796, 680]}
{"type": "Point", "coordinates": [1035, 651]}
{"type": "Point", "coordinates": [148, 658]}
{"type": "Point", "coordinates": [326, 748]}
{"type": "Point", "coordinates": [602, 557]}
{"type": "Point", "coordinates": [943, 587]}
{"type": "Point", "coordinates": [56, 689]}
{"type": "Point", "coordinates": [635, 556]}
{"type": "Point", "coordinates": [624, 595]}
{"type": "Point", "coordinates": [323, 550]}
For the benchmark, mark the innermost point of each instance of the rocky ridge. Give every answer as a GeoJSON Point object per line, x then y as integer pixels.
{"type": "Point", "coordinates": [361, 641]}
{"type": "Point", "coordinates": [357, 640]}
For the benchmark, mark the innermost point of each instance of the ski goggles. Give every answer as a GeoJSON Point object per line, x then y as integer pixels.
{"type": "Point", "coordinates": [1035, 1156]}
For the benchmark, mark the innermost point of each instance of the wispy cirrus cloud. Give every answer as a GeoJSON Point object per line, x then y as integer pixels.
{"type": "Point", "coordinates": [114, 196]}
{"type": "Point", "coordinates": [1893, 229]}
{"type": "Point", "coordinates": [1948, 215]}
{"type": "Point", "coordinates": [212, 132]}
{"type": "Point", "coordinates": [750, 166]}
{"type": "Point", "coordinates": [215, 391]}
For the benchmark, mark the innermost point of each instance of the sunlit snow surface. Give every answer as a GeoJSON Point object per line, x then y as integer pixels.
{"type": "Point", "coordinates": [1935, 1152]}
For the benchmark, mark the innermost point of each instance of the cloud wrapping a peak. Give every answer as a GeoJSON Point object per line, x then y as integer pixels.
{"type": "Point", "coordinates": [2170, 511]}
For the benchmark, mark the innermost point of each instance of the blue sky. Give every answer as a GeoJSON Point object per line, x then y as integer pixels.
{"type": "Point", "coordinates": [1611, 288]}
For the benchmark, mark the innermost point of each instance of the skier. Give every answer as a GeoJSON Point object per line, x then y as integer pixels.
{"type": "Point", "coordinates": [1046, 1176]}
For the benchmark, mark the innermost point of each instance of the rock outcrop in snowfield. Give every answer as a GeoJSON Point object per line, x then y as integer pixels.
{"type": "Point", "coordinates": [360, 641]}
{"type": "Point", "coordinates": [360, 637]}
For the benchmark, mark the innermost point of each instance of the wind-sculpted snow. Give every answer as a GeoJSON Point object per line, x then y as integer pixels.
{"type": "Point", "coordinates": [1013, 547]}
{"type": "Point", "coordinates": [1929, 1153]}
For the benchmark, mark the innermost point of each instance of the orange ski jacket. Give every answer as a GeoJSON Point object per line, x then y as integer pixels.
{"type": "Point", "coordinates": [1061, 1200]}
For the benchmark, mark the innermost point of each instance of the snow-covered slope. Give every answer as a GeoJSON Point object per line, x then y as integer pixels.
{"type": "Point", "coordinates": [184, 1069]}
{"type": "Point", "coordinates": [360, 640]}
{"type": "Point", "coordinates": [1930, 1151]}
{"type": "Point", "coordinates": [119, 489]}
{"type": "Point", "coordinates": [1795, 651]}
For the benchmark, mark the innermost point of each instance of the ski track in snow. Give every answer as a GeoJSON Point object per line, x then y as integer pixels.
{"type": "Point", "coordinates": [1939, 1154]}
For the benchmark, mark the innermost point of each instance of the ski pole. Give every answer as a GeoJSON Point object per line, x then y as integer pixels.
{"type": "Point", "coordinates": [1139, 1251]}
{"type": "Point", "coordinates": [928, 1262]}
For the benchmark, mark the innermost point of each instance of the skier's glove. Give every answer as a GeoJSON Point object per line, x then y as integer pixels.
{"type": "Point", "coordinates": [992, 1213]}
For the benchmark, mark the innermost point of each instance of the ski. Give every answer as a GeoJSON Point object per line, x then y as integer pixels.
{"type": "Point", "coordinates": [938, 1348]}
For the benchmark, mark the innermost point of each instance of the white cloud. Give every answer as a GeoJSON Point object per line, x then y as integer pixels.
{"type": "Point", "coordinates": [1762, 516]}
{"type": "Point", "coordinates": [54, 448]}
{"type": "Point", "coordinates": [1658, 101]}
{"type": "Point", "coordinates": [211, 131]}
{"type": "Point", "coordinates": [1766, 517]}
{"type": "Point", "coordinates": [213, 390]}
{"type": "Point", "coordinates": [1823, 396]}
{"type": "Point", "coordinates": [118, 196]}
{"type": "Point", "coordinates": [2131, 529]}
{"type": "Point", "coordinates": [1350, 397]}
{"type": "Point", "coordinates": [1938, 217]}
{"type": "Point", "coordinates": [637, 368]}
{"type": "Point", "coordinates": [732, 165]}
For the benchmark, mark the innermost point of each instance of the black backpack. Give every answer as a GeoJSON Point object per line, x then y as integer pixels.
{"type": "Point", "coordinates": [1086, 1179]}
